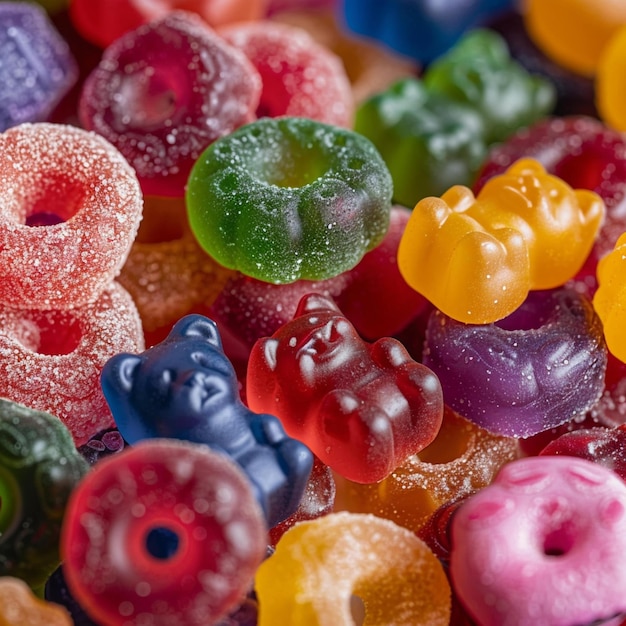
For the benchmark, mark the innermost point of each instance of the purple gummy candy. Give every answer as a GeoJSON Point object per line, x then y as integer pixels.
{"type": "Point", "coordinates": [536, 369]}
{"type": "Point", "coordinates": [36, 66]}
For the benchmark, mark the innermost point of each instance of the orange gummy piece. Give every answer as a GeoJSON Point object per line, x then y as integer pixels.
{"type": "Point", "coordinates": [461, 460]}
{"type": "Point", "coordinates": [323, 569]}
{"type": "Point", "coordinates": [20, 607]}
{"type": "Point", "coordinates": [476, 258]}
{"type": "Point", "coordinates": [574, 32]}
{"type": "Point", "coordinates": [609, 300]}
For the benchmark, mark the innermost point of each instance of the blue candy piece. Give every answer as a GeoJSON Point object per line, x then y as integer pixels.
{"type": "Point", "coordinates": [36, 66]}
{"type": "Point", "coordinates": [421, 29]}
{"type": "Point", "coordinates": [186, 388]}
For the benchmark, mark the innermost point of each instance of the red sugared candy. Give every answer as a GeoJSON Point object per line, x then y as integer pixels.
{"type": "Point", "coordinates": [70, 206]}
{"type": "Point", "coordinates": [103, 21]}
{"type": "Point", "coordinates": [163, 92]}
{"type": "Point", "coordinates": [166, 532]}
{"type": "Point", "coordinates": [300, 77]}
{"type": "Point", "coordinates": [51, 360]}
{"type": "Point", "coordinates": [362, 408]}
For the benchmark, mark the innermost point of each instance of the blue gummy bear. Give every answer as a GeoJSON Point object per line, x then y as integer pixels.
{"type": "Point", "coordinates": [36, 66]}
{"type": "Point", "coordinates": [186, 388]}
{"type": "Point", "coordinates": [420, 29]}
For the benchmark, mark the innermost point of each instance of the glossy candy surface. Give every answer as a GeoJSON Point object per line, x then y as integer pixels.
{"type": "Point", "coordinates": [323, 567]}
{"type": "Point", "coordinates": [163, 92]}
{"type": "Point", "coordinates": [70, 206]}
{"type": "Point", "coordinates": [51, 360]}
{"type": "Point", "coordinates": [39, 468]}
{"type": "Point", "coordinates": [610, 82]}
{"type": "Point", "coordinates": [288, 198]}
{"type": "Point", "coordinates": [428, 141]}
{"type": "Point", "coordinates": [477, 257]}
{"type": "Point", "coordinates": [37, 67]}
{"type": "Point", "coordinates": [186, 388]}
{"type": "Point", "coordinates": [299, 76]}
{"type": "Point", "coordinates": [536, 369]}
{"type": "Point", "coordinates": [546, 539]}
{"type": "Point", "coordinates": [166, 532]}
{"type": "Point", "coordinates": [479, 72]}
{"type": "Point", "coordinates": [362, 408]}
{"type": "Point", "coordinates": [586, 154]}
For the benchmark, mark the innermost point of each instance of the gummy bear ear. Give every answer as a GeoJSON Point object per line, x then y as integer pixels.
{"type": "Point", "coordinates": [118, 373]}
{"type": "Point", "coordinates": [197, 326]}
{"type": "Point", "coordinates": [316, 302]}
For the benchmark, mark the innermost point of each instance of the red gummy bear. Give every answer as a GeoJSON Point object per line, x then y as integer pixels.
{"type": "Point", "coordinates": [362, 408]}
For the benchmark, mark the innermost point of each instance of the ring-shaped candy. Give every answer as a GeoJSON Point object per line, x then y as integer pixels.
{"type": "Point", "coordinates": [70, 206]}
{"type": "Point", "coordinates": [166, 532]}
{"type": "Point", "coordinates": [321, 568]}
{"type": "Point", "coordinates": [543, 544]}
{"type": "Point", "coordinates": [287, 198]}
{"type": "Point", "coordinates": [536, 369]}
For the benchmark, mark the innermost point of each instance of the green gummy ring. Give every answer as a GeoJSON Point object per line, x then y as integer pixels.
{"type": "Point", "coordinates": [283, 199]}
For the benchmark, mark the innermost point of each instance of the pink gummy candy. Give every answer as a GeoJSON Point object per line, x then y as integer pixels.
{"type": "Point", "coordinates": [543, 544]}
{"type": "Point", "coordinates": [300, 76]}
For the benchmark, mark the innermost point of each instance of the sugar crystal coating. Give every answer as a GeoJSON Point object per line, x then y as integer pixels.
{"type": "Point", "coordinates": [70, 206]}
{"type": "Point", "coordinates": [163, 92]}
{"type": "Point", "coordinates": [320, 565]}
{"type": "Point", "coordinates": [51, 360]}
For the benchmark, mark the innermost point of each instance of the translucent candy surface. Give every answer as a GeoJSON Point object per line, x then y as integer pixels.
{"type": "Point", "coordinates": [163, 92]}
{"type": "Point", "coordinates": [39, 468]}
{"type": "Point", "coordinates": [37, 67]}
{"type": "Point", "coordinates": [300, 77]}
{"type": "Point", "coordinates": [70, 206]}
{"type": "Point", "coordinates": [288, 198]}
{"type": "Point", "coordinates": [323, 567]}
{"type": "Point", "coordinates": [51, 360]}
{"type": "Point", "coordinates": [165, 532]}
{"type": "Point", "coordinates": [540, 367]}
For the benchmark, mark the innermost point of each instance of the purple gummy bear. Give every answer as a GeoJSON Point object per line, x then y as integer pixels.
{"type": "Point", "coordinates": [186, 388]}
{"type": "Point", "coordinates": [36, 68]}
{"type": "Point", "coordinates": [540, 367]}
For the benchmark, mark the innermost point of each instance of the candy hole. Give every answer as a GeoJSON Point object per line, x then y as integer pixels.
{"type": "Point", "coordinates": [50, 333]}
{"type": "Point", "coordinates": [162, 543]}
{"type": "Point", "coordinates": [53, 199]}
{"type": "Point", "coordinates": [559, 541]}
{"type": "Point", "coordinates": [357, 608]}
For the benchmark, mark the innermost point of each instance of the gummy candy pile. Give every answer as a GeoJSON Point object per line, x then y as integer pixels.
{"type": "Point", "coordinates": [312, 312]}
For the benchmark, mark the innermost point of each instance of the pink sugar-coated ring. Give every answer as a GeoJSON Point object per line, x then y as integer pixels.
{"type": "Point", "coordinates": [543, 544]}
{"type": "Point", "coordinates": [51, 360]}
{"type": "Point", "coordinates": [300, 77]}
{"type": "Point", "coordinates": [70, 206]}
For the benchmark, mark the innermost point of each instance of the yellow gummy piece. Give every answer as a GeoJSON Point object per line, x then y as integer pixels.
{"type": "Point", "coordinates": [321, 567]}
{"type": "Point", "coordinates": [610, 85]}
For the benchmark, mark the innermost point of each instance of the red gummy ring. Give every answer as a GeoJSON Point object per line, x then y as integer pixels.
{"type": "Point", "coordinates": [70, 206]}
{"type": "Point", "coordinates": [210, 536]}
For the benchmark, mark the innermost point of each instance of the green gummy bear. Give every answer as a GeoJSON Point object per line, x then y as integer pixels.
{"type": "Point", "coordinates": [39, 467]}
{"type": "Point", "coordinates": [428, 141]}
{"type": "Point", "coordinates": [283, 199]}
{"type": "Point", "coordinates": [479, 72]}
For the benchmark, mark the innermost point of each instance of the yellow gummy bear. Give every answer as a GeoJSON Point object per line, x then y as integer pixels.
{"type": "Point", "coordinates": [476, 258]}
{"type": "Point", "coordinates": [609, 300]}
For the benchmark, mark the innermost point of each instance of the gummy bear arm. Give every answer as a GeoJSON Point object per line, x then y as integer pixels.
{"type": "Point", "coordinates": [267, 429]}
{"type": "Point", "coordinates": [389, 353]}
